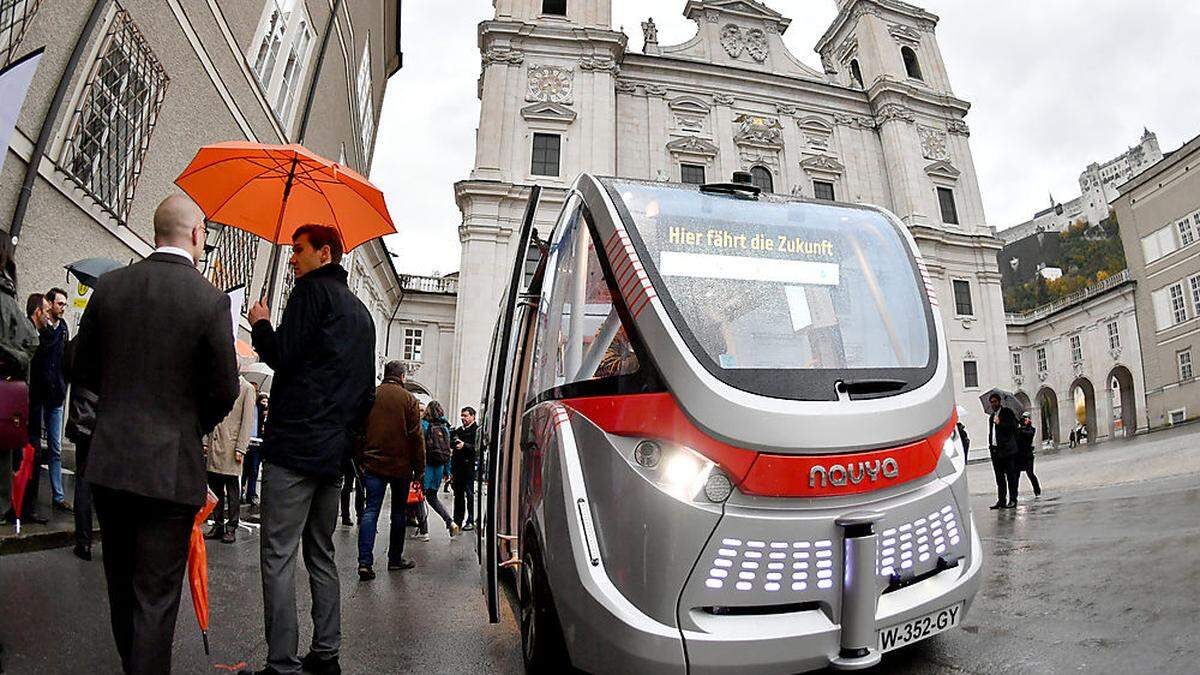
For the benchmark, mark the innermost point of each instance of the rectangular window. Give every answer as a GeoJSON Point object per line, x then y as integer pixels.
{"type": "Point", "coordinates": [823, 190]}
{"type": "Point", "coordinates": [1178, 416]}
{"type": "Point", "coordinates": [1114, 335]}
{"type": "Point", "coordinates": [1041, 359]}
{"type": "Point", "coordinates": [946, 202]}
{"type": "Point", "coordinates": [554, 7]}
{"type": "Point", "coordinates": [546, 149]}
{"type": "Point", "coordinates": [366, 103]}
{"type": "Point", "coordinates": [14, 19]}
{"type": "Point", "coordinates": [414, 338]}
{"type": "Point", "coordinates": [1178, 306]}
{"type": "Point", "coordinates": [1159, 243]}
{"type": "Point", "coordinates": [1187, 235]}
{"type": "Point", "coordinates": [1185, 365]}
{"type": "Point", "coordinates": [962, 298]}
{"type": "Point", "coordinates": [1194, 284]}
{"type": "Point", "coordinates": [1076, 349]}
{"type": "Point", "coordinates": [692, 174]}
{"type": "Point", "coordinates": [1016, 364]}
{"type": "Point", "coordinates": [280, 53]}
{"type": "Point", "coordinates": [970, 374]}
{"type": "Point", "coordinates": [110, 131]}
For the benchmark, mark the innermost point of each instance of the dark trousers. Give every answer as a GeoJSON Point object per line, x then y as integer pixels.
{"type": "Point", "coordinates": [83, 497]}
{"type": "Point", "coordinates": [1027, 467]}
{"type": "Point", "coordinates": [229, 505]}
{"type": "Point", "coordinates": [250, 466]}
{"type": "Point", "coordinates": [351, 483]}
{"type": "Point", "coordinates": [145, 554]}
{"type": "Point", "coordinates": [369, 525]}
{"type": "Point", "coordinates": [464, 496]}
{"type": "Point", "coordinates": [1007, 476]}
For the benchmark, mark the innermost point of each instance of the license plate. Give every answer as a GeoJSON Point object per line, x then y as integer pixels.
{"type": "Point", "coordinates": [913, 630]}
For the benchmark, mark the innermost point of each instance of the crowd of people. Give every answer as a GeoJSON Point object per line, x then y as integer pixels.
{"type": "Point", "coordinates": [161, 417]}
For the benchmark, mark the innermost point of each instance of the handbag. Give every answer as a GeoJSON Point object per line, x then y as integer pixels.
{"type": "Point", "coordinates": [416, 494]}
{"type": "Point", "coordinates": [14, 415]}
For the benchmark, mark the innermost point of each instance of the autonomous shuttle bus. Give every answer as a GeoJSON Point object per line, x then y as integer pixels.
{"type": "Point", "coordinates": [719, 434]}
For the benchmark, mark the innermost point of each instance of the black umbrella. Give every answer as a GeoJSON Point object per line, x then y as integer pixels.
{"type": "Point", "coordinates": [1007, 400]}
{"type": "Point", "coordinates": [87, 271]}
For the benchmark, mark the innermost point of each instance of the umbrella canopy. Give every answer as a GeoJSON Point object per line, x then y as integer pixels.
{"type": "Point", "coordinates": [1007, 400]}
{"type": "Point", "coordinates": [20, 481]}
{"type": "Point", "coordinates": [260, 374]}
{"type": "Point", "coordinates": [197, 567]}
{"type": "Point", "coordinates": [270, 190]}
{"type": "Point", "coordinates": [88, 270]}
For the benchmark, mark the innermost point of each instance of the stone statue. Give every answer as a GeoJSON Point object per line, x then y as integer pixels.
{"type": "Point", "coordinates": [650, 32]}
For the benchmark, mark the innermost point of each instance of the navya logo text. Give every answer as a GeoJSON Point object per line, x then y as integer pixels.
{"type": "Point", "coordinates": [839, 474]}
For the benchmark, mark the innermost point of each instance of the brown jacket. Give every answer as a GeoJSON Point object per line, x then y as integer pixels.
{"type": "Point", "coordinates": [395, 446]}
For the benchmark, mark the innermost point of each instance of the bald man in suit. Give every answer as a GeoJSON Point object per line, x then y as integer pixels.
{"type": "Point", "coordinates": [156, 345]}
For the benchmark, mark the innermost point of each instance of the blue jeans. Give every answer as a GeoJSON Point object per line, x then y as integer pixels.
{"type": "Point", "coordinates": [368, 524]}
{"type": "Point", "coordinates": [50, 419]}
{"type": "Point", "coordinates": [250, 466]}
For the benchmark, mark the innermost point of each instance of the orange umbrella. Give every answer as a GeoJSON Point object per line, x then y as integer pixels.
{"type": "Point", "coordinates": [270, 190]}
{"type": "Point", "coordinates": [197, 567]}
{"type": "Point", "coordinates": [20, 481]}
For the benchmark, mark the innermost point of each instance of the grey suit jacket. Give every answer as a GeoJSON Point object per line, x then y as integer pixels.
{"type": "Point", "coordinates": [156, 345]}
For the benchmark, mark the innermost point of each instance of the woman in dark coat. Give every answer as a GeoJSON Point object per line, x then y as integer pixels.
{"type": "Point", "coordinates": [1025, 434]}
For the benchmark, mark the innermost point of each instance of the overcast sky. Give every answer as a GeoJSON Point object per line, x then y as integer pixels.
{"type": "Point", "coordinates": [1053, 86]}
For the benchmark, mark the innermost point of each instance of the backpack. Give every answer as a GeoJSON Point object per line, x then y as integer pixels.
{"type": "Point", "coordinates": [437, 444]}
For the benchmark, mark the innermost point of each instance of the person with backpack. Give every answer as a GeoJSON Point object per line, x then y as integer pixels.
{"type": "Point", "coordinates": [437, 459]}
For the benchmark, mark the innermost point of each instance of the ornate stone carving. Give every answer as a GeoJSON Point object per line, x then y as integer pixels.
{"type": "Point", "coordinates": [548, 112]}
{"type": "Point", "coordinates": [933, 143]}
{"type": "Point", "coordinates": [713, 15]}
{"type": "Point", "coordinates": [599, 63]}
{"type": "Point", "coordinates": [943, 169]}
{"type": "Point", "coordinates": [650, 31]}
{"type": "Point", "coordinates": [817, 133]}
{"type": "Point", "coordinates": [1115, 353]}
{"type": "Point", "coordinates": [693, 145]}
{"type": "Point", "coordinates": [626, 87]}
{"type": "Point", "coordinates": [905, 35]}
{"type": "Point", "coordinates": [1043, 374]}
{"type": "Point", "coordinates": [853, 121]}
{"type": "Point", "coordinates": [1018, 380]}
{"type": "Point", "coordinates": [958, 127]}
{"type": "Point", "coordinates": [552, 84]}
{"type": "Point", "coordinates": [787, 109]}
{"type": "Point", "coordinates": [758, 130]}
{"type": "Point", "coordinates": [722, 99]}
{"type": "Point", "coordinates": [753, 41]}
{"type": "Point", "coordinates": [893, 112]}
{"type": "Point", "coordinates": [827, 64]}
{"type": "Point", "coordinates": [822, 164]}
{"type": "Point", "coordinates": [508, 57]}
{"type": "Point", "coordinates": [690, 114]}
{"type": "Point", "coordinates": [656, 90]}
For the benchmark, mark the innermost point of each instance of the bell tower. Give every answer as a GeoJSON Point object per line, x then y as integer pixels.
{"type": "Point", "coordinates": [586, 13]}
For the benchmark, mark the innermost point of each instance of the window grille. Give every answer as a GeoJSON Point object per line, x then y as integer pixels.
{"type": "Point", "coordinates": [823, 190]}
{"type": "Point", "coordinates": [110, 131]}
{"type": "Point", "coordinates": [693, 174]}
{"type": "Point", "coordinates": [289, 282]}
{"type": "Point", "coordinates": [1016, 364]}
{"type": "Point", "coordinates": [14, 19]}
{"type": "Point", "coordinates": [414, 339]}
{"type": "Point", "coordinates": [1041, 360]}
{"type": "Point", "coordinates": [1114, 335]}
{"type": "Point", "coordinates": [234, 258]}
{"type": "Point", "coordinates": [761, 178]}
{"type": "Point", "coordinates": [1076, 349]}
{"type": "Point", "coordinates": [1185, 365]}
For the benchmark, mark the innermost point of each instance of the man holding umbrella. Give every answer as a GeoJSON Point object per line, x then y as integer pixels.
{"type": "Point", "coordinates": [323, 355]}
{"type": "Point", "coordinates": [1002, 446]}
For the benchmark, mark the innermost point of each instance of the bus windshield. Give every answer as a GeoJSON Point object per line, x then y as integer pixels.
{"type": "Point", "coordinates": [781, 284]}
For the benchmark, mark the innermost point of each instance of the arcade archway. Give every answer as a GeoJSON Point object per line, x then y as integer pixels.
{"type": "Point", "coordinates": [1024, 399]}
{"type": "Point", "coordinates": [1047, 415]}
{"type": "Point", "coordinates": [1083, 407]}
{"type": "Point", "coordinates": [1122, 401]}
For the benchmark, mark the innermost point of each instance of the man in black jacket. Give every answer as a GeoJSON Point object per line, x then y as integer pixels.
{"type": "Point", "coordinates": [462, 468]}
{"type": "Point", "coordinates": [1002, 445]}
{"type": "Point", "coordinates": [48, 393]}
{"type": "Point", "coordinates": [323, 355]}
{"type": "Point", "coordinates": [156, 346]}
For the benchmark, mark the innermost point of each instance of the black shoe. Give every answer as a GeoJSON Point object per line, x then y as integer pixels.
{"type": "Point", "coordinates": [997, 505]}
{"type": "Point", "coordinates": [1011, 504]}
{"type": "Point", "coordinates": [36, 518]}
{"type": "Point", "coordinates": [404, 565]}
{"type": "Point", "coordinates": [215, 532]}
{"type": "Point", "coordinates": [10, 518]}
{"type": "Point", "coordinates": [83, 552]}
{"type": "Point", "coordinates": [64, 506]}
{"type": "Point", "coordinates": [319, 666]}
{"type": "Point", "coordinates": [347, 522]}
{"type": "Point", "coordinates": [364, 574]}
{"type": "Point", "coordinates": [229, 537]}
{"type": "Point", "coordinates": [1037, 493]}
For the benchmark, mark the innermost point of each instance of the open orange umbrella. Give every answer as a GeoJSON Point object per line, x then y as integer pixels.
{"type": "Point", "coordinates": [270, 190]}
{"type": "Point", "coordinates": [197, 567]}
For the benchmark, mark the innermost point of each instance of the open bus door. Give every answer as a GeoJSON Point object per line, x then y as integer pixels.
{"type": "Point", "coordinates": [499, 381]}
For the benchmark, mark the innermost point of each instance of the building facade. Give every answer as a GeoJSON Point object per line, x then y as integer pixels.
{"type": "Point", "coordinates": [1098, 187]}
{"type": "Point", "coordinates": [1159, 212]}
{"type": "Point", "coordinates": [1078, 361]}
{"type": "Point", "coordinates": [158, 79]}
{"type": "Point", "coordinates": [422, 336]}
{"type": "Point", "coordinates": [562, 94]}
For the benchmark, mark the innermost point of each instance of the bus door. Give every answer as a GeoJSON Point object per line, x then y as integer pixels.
{"type": "Point", "coordinates": [492, 432]}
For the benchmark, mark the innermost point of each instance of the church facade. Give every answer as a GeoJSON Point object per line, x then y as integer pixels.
{"type": "Point", "coordinates": [563, 93]}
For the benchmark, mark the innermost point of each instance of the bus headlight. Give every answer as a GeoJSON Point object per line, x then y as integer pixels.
{"type": "Point", "coordinates": [677, 470]}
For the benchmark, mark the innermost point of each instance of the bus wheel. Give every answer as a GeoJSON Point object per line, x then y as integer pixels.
{"type": "Point", "coordinates": [541, 636]}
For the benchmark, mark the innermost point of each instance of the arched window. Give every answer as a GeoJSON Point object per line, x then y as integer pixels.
{"type": "Point", "coordinates": [856, 73]}
{"type": "Point", "coordinates": [910, 63]}
{"type": "Point", "coordinates": [761, 176]}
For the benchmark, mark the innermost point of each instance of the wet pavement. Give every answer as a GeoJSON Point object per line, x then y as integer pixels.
{"type": "Point", "coordinates": [1100, 574]}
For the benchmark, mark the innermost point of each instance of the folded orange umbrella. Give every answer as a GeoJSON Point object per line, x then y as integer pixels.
{"type": "Point", "coordinates": [197, 567]}
{"type": "Point", "coordinates": [20, 481]}
{"type": "Point", "coordinates": [270, 190]}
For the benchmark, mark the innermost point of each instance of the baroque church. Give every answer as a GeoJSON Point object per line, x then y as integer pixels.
{"type": "Point", "coordinates": [562, 93]}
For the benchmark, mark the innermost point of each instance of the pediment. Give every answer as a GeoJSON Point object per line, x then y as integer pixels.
{"type": "Point", "coordinates": [692, 145]}
{"type": "Point", "coordinates": [815, 124]}
{"type": "Point", "coordinates": [822, 164]}
{"type": "Point", "coordinates": [549, 112]}
{"type": "Point", "coordinates": [687, 103]}
{"type": "Point", "coordinates": [750, 9]}
{"type": "Point", "coordinates": [943, 169]}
